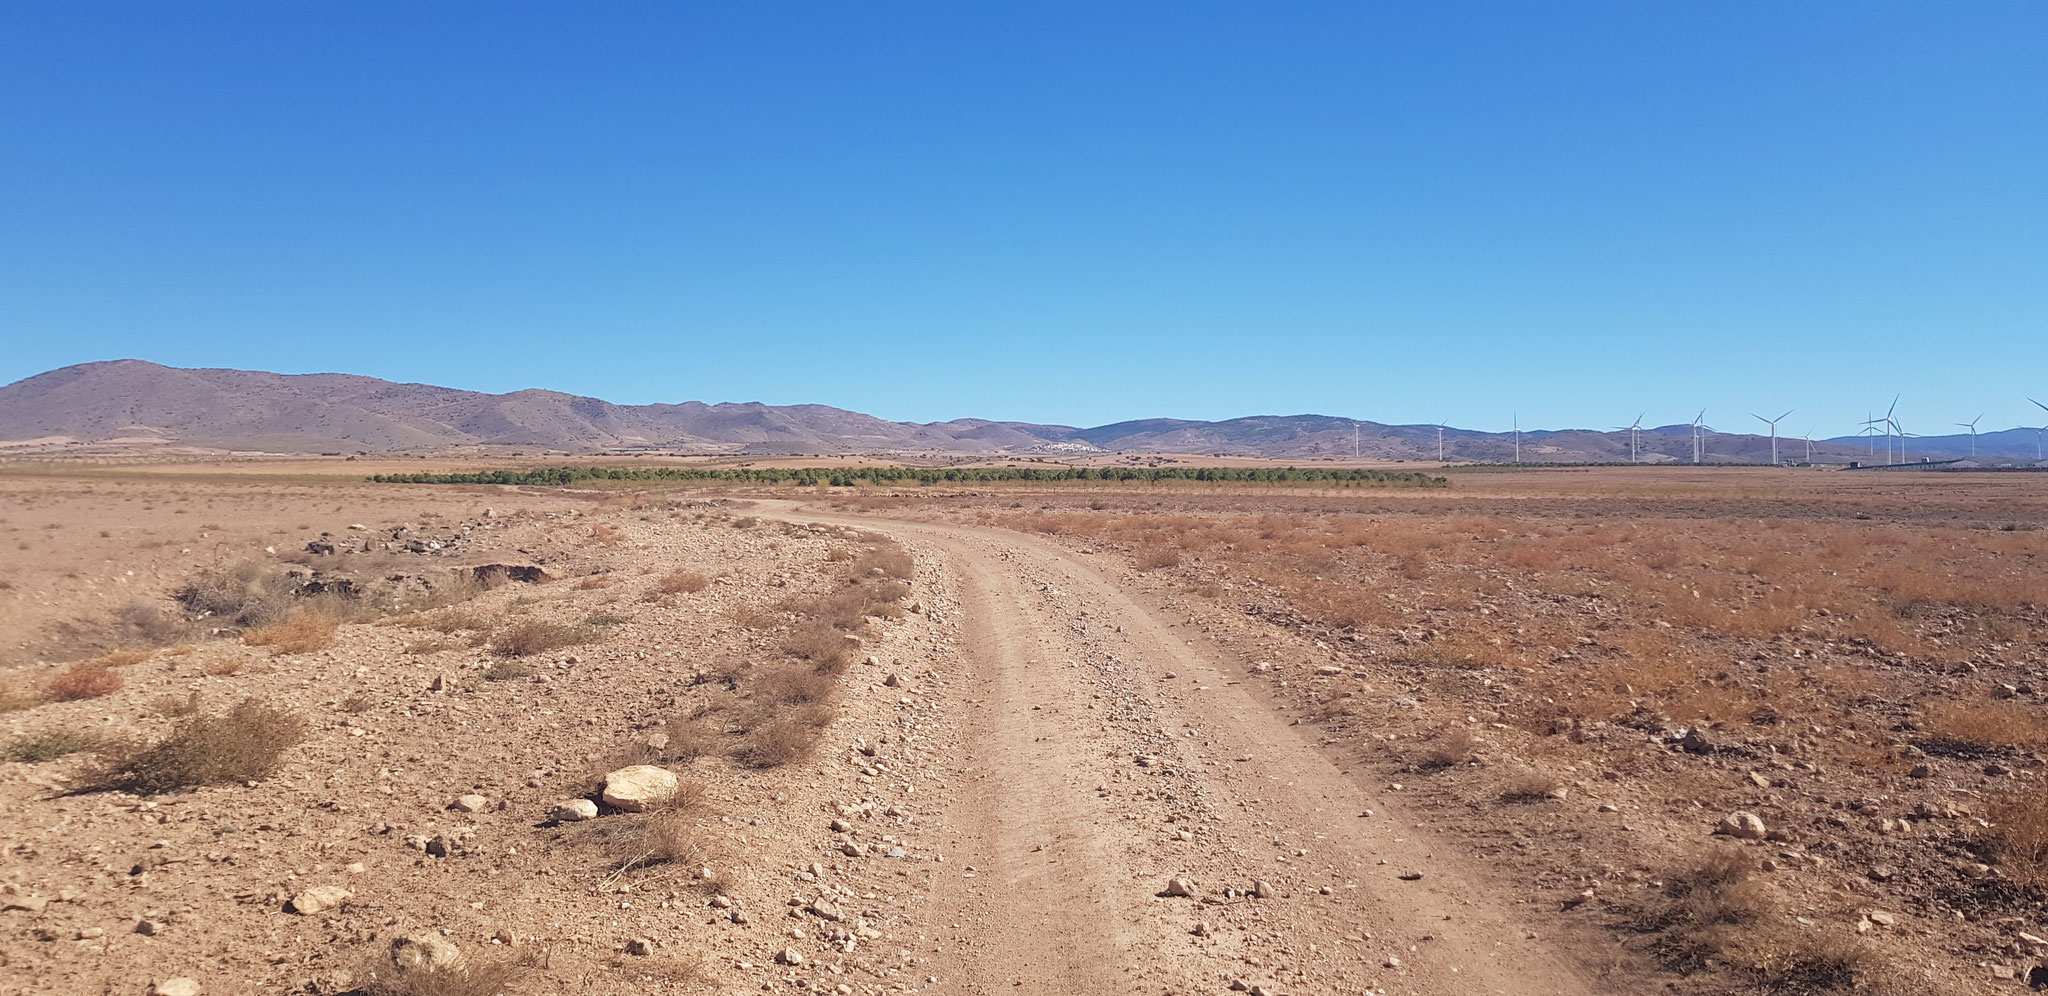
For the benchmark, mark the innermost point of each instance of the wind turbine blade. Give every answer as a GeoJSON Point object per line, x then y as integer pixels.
{"type": "Point", "coordinates": [2039, 405]}
{"type": "Point", "coordinates": [1895, 406]}
{"type": "Point", "coordinates": [1781, 418]}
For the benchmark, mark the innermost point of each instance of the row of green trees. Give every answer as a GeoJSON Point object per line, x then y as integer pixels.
{"type": "Point", "coordinates": [849, 476]}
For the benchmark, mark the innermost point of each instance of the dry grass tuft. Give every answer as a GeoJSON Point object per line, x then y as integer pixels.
{"type": "Point", "coordinates": [1985, 724]}
{"type": "Point", "coordinates": [85, 680]}
{"type": "Point", "coordinates": [243, 744]}
{"type": "Point", "coordinates": [51, 746]}
{"type": "Point", "coordinates": [533, 636]}
{"type": "Point", "coordinates": [1449, 748]}
{"type": "Point", "coordinates": [2019, 836]}
{"type": "Point", "coordinates": [681, 582]}
{"type": "Point", "coordinates": [507, 669]}
{"type": "Point", "coordinates": [1151, 558]}
{"type": "Point", "coordinates": [1715, 911]}
{"type": "Point", "coordinates": [1530, 785]}
{"type": "Point", "coordinates": [302, 631]}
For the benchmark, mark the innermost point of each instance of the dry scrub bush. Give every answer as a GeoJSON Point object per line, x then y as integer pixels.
{"type": "Point", "coordinates": [1154, 557]}
{"type": "Point", "coordinates": [1715, 911]}
{"type": "Point", "coordinates": [243, 744]}
{"type": "Point", "coordinates": [784, 736]}
{"type": "Point", "coordinates": [431, 645]}
{"type": "Point", "coordinates": [1530, 785]}
{"type": "Point", "coordinates": [885, 561]}
{"type": "Point", "coordinates": [664, 834]}
{"type": "Point", "coordinates": [507, 669]}
{"type": "Point", "coordinates": [1449, 748]}
{"type": "Point", "coordinates": [534, 636]}
{"type": "Point", "coordinates": [594, 582]}
{"type": "Point", "coordinates": [84, 680]}
{"type": "Point", "coordinates": [1985, 724]}
{"type": "Point", "coordinates": [681, 582]}
{"type": "Point", "coordinates": [51, 746]}
{"type": "Point", "coordinates": [2019, 836]}
{"type": "Point", "coordinates": [302, 631]}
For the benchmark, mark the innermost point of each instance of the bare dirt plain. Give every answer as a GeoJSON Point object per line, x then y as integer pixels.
{"type": "Point", "coordinates": [1460, 741]}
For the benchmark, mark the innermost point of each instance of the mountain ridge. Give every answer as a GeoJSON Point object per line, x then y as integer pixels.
{"type": "Point", "coordinates": [230, 409]}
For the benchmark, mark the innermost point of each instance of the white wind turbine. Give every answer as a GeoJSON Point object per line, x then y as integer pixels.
{"type": "Point", "coordinates": [2039, 431]}
{"type": "Point", "coordinates": [1809, 447]}
{"type": "Point", "coordinates": [1773, 423]}
{"type": "Point", "coordinates": [1635, 430]}
{"type": "Point", "coordinates": [1972, 426]}
{"type": "Point", "coordinates": [1518, 437]}
{"type": "Point", "coordinates": [1889, 423]}
{"type": "Point", "coordinates": [1697, 425]}
{"type": "Point", "coordinates": [1440, 441]}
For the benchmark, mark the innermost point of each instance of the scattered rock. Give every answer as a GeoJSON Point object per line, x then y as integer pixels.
{"type": "Point", "coordinates": [469, 803]}
{"type": "Point", "coordinates": [1262, 889]}
{"type": "Point", "coordinates": [177, 985]}
{"type": "Point", "coordinates": [1695, 742]}
{"type": "Point", "coordinates": [639, 786]}
{"type": "Point", "coordinates": [639, 946]}
{"type": "Point", "coordinates": [573, 811]}
{"type": "Point", "coordinates": [1742, 825]}
{"type": "Point", "coordinates": [1179, 887]}
{"type": "Point", "coordinates": [320, 897]}
{"type": "Point", "coordinates": [789, 956]}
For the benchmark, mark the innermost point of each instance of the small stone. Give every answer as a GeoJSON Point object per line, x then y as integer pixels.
{"type": "Point", "coordinates": [469, 803]}
{"type": "Point", "coordinates": [573, 811]}
{"type": "Point", "coordinates": [639, 946]}
{"type": "Point", "coordinates": [177, 985]}
{"type": "Point", "coordinates": [1179, 887]}
{"type": "Point", "coordinates": [636, 787]}
{"type": "Point", "coordinates": [893, 681]}
{"type": "Point", "coordinates": [33, 904]}
{"type": "Point", "coordinates": [1742, 825]}
{"type": "Point", "coordinates": [1392, 962]}
{"type": "Point", "coordinates": [320, 897]}
{"type": "Point", "coordinates": [790, 956]}
{"type": "Point", "coordinates": [1882, 919]}
{"type": "Point", "coordinates": [1921, 771]}
{"type": "Point", "coordinates": [1695, 742]}
{"type": "Point", "coordinates": [1262, 889]}
{"type": "Point", "coordinates": [1759, 780]}
{"type": "Point", "coordinates": [1881, 873]}
{"type": "Point", "coordinates": [851, 849]}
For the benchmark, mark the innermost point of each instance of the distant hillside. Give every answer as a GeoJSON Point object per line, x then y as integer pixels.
{"type": "Point", "coordinates": [248, 410]}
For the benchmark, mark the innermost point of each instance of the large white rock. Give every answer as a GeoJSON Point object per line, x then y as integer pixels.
{"type": "Point", "coordinates": [1742, 825]}
{"type": "Point", "coordinates": [636, 788]}
{"type": "Point", "coordinates": [574, 811]}
{"type": "Point", "coordinates": [175, 986]}
{"type": "Point", "coordinates": [320, 897]}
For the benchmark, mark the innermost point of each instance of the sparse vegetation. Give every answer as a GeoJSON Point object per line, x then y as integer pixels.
{"type": "Point", "coordinates": [508, 669]}
{"type": "Point", "coordinates": [51, 745]}
{"type": "Point", "coordinates": [681, 582]}
{"type": "Point", "coordinates": [301, 631]}
{"type": "Point", "coordinates": [534, 636]}
{"type": "Point", "coordinates": [243, 744]}
{"type": "Point", "coordinates": [2019, 836]}
{"type": "Point", "coordinates": [85, 680]}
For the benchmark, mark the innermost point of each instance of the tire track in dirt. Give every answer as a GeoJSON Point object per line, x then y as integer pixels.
{"type": "Point", "coordinates": [1096, 737]}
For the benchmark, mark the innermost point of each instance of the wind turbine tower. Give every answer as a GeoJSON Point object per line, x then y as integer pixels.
{"type": "Point", "coordinates": [1697, 423]}
{"type": "Point", "coordinates": [1773, 423]}
{"type": "Point", "coordinates": [1518, 438]}
{"type": "Point", "coordinates": [1972, 426]}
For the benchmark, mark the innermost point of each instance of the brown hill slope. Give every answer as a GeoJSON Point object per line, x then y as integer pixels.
{"type": "Point", "coordinates": [255, 410]}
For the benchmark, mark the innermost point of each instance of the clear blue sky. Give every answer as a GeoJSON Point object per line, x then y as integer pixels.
{"type": "Point", "coordinates": [1052, 212]}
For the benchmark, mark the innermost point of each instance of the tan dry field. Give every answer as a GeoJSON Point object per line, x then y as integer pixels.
{"type": "Point", "coordinates": [978, 740]}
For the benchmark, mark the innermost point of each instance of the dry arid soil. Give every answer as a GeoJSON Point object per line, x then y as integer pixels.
{"type": "Point", "coordinates": [1554, 731]}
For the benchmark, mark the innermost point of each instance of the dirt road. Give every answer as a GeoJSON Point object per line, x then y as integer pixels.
{"type": "Point", "coordinates": [1107, 751]}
